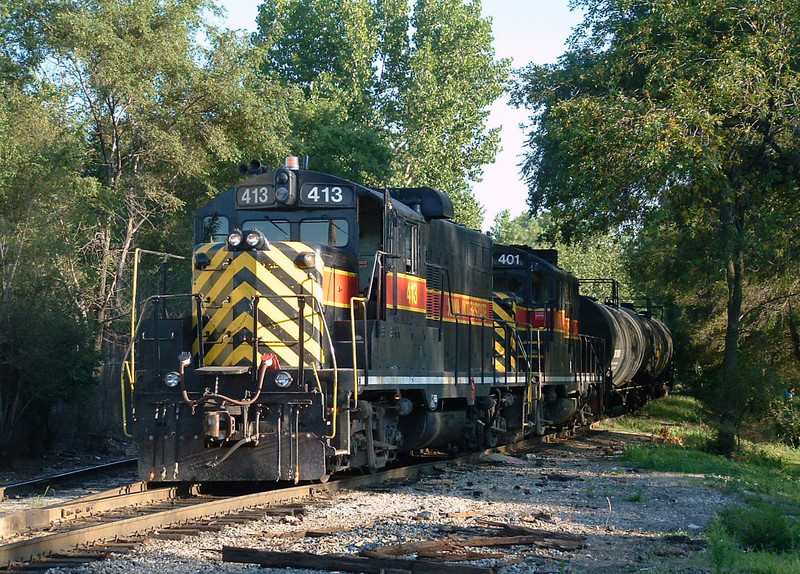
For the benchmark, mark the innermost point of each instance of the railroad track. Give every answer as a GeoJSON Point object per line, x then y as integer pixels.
{"type": "Point", "coordinates": [93, 527]}
{"type": "Point", "coordinates": [118, 522]}
{"type": "Point", "coordinates": [70, 476]}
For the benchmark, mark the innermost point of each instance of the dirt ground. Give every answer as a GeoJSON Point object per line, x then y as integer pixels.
{"type": "Point", "coordinates": [634, 520]}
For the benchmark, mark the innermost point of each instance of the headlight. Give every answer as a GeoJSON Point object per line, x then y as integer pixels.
{"type": "Point", "coordinates": [172, 379]}
{"type": "Point", "coordinates": [283, 379]}
{"type": "Point", "coordinates": [255, 239]}
{"type": "Point", "coordinates": [235, 239]}
{"type": "Point", "coordinates": [306, 260]}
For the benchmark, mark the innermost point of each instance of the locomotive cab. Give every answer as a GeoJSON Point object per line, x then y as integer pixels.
{"type": "Point", "coordinates": [545, 330]}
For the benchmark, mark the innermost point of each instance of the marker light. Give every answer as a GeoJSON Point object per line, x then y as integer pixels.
{"type": "Point", "coordinates": [292, 162]}
{"type": "Point", "coordinates": [283, 379]}
{"type": "Point", "coordinates": [306, 260]}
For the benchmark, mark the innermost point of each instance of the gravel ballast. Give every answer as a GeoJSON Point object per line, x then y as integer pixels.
{"type": "Point", "coordinates": [632, 520]}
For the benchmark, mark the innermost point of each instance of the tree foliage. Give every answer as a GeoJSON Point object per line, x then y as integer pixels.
{"type": "Point", "coordinates": [45, 337]}
{"type": "Point", "coordinates": [403, 97]}
{"type": "Point", "coordinates": [678, 121]}
{"type": "Point", "coordinates": [159, 113]}
{"type": "Point", "coordinates": [160, 108]}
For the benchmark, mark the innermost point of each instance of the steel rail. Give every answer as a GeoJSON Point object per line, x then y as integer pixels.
{"type": "Point", "coordinates": [28, 485]}
{"type": "Point", "coordinates": [125, 496]}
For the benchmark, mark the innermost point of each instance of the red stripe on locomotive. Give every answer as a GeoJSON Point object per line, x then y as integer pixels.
{"type": "Point", "coordinates": [338, 287]}
{"type": "Point", "coordinates": [412, 292]}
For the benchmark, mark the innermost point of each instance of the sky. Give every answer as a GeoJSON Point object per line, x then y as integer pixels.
{"type": "Point", "coordinates": [525, 31]}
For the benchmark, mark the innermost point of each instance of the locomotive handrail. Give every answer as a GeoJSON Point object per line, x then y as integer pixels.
{"type": "Point", "coordinates": [130, 367]}
{"type": "Point", "coordinates": [514, 328]}
{"type": "Point", "coordinates": [377, 271]}
{"type": "Point", "coordinates": [129, 351]}
{"type": "Point", "coordinates": [469, 318]}
{"type": "Point", "coordinates": [363, 301]}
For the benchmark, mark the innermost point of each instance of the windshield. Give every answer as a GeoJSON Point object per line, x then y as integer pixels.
{"type": "Point", "coordinates": [331, 232]}
{"type": "Point", "coordinates": [273, 230]}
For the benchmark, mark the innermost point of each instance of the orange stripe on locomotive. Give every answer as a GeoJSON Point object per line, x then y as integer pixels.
{"type": "Point", "coordinates": [412, 292]}
{"type": "Point", "coordinates": [338, 287]}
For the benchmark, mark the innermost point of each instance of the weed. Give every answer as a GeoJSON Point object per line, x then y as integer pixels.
{"type": "Point", "coordinates": [727, 557]}
{"type": "Point", "coordinates": [40, 500]}
{"type": "Point", "coordinates": [637, 497]}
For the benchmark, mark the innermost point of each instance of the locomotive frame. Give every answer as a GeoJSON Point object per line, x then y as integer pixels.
{"type": "Point", "coordinates": [332, 326]}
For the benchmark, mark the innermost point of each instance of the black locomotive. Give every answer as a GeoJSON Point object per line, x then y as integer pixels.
{"type": "Point", "coordinates": [332, 326]}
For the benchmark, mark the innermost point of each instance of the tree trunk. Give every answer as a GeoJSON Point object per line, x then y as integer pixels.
{"type": "Point", "coordinates": [734, 277]}
{"type": "Point", "coordinates": [732, 219]}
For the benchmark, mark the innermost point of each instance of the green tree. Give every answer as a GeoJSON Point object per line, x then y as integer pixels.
{"type": "Point", "coordinates": [385, 96]}
{"type": "Point", "coordinates": [674, 119]}
{"type": "Point", "coordinates": [160, 113]}
{"type": "Point", "coordinates": [163, 106]}
{"type": "Point", "coordinates": [322, 53]}
{"type": "Point", "coordinates": [46, 353]}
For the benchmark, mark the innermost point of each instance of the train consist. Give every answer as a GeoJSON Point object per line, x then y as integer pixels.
{"type": "Point", "coordinates": [330, 326]}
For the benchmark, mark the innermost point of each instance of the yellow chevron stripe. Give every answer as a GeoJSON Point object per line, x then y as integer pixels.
{"type": "Point", "coordinates": [203, 277]}
{"type": "Point", "coordinates": [241, 355]}
{"type": "Point", "coordinates": [220, 285]}
{"type": "Point", "coordinates": [271, 313]}
{"type": "Point", "coordinates": [215, 354]}
{"type": "Point", "coordinates": [287, 356]}
{"type": "Point", "coordinates": [238, 264]}
{"type": "Point", "coordinates": [286, 262]}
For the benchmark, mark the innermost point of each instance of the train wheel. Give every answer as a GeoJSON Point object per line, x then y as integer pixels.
{"type": "Point", "coordinates": [490, 437]}
{"type": "Point", "coordinates": [492, 434]}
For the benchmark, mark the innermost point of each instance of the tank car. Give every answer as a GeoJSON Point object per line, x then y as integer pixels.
{"type": "Point", "coordinates": [638, 350]}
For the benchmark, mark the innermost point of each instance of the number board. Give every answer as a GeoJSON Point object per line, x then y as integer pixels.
{"type": "Point", "coordinates": [255, 195]}
{"type": "Point", "coordinates": [509, 260]}
{"type": "Point", "coordinates": [324, 194]}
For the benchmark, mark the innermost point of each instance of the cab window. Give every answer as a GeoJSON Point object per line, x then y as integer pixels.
{"type": "Point", "coordinates": [215, 228]}
{"type": "Point", "coordinates": [508, 283]}
{"type": "Point", "coordinates": [333, 232]}
{"type": "Point", "coordinates": [411, 248]}
{"type": "Point", "coordinates": [273, 230]}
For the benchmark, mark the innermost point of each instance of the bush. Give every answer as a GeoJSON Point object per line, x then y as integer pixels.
{"type": "Point", "coordinates": [786, 415]}
{"type": "Point", "coordinates": [762, 526]}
